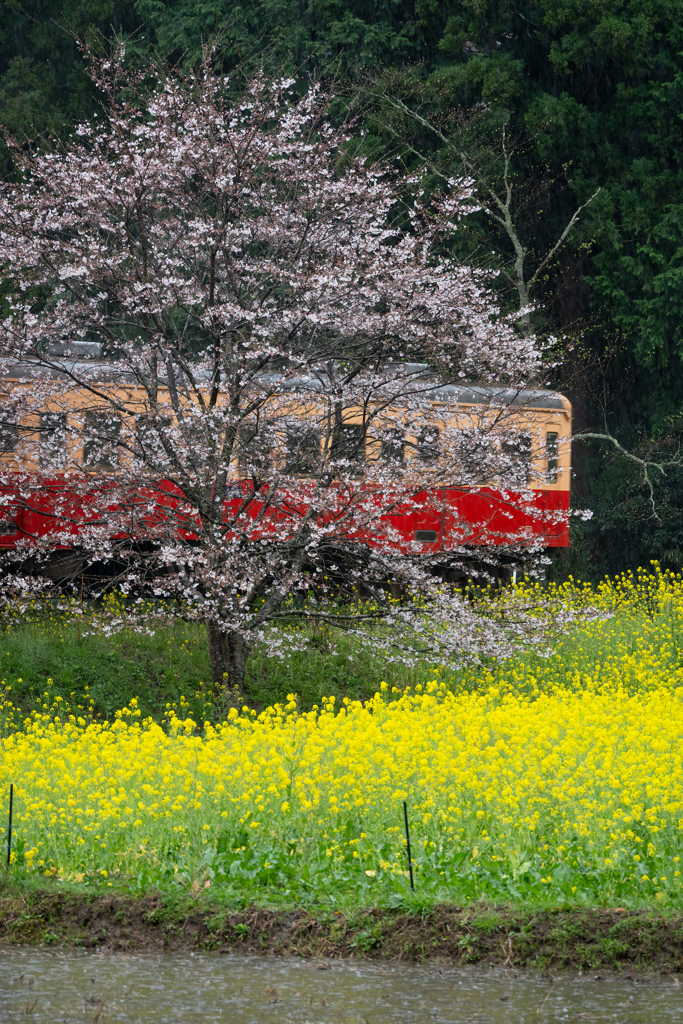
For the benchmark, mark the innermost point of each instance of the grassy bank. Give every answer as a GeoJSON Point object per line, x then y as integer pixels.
{"type": "Point", "coordinates": [596, 940]}
{"type": "Point", "coordinates": [46, 654]}
{"type": "Point", "coordinates": [551, 784]}
{"type": "Point", "coordinates": [48, 659]}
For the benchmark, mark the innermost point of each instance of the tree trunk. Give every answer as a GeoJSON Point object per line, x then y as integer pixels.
{"type": "Point", "coordinates": [228, 653]}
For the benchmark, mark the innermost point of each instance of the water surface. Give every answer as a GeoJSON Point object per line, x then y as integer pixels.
{"type": "Point", "coordinates": [49, 987]}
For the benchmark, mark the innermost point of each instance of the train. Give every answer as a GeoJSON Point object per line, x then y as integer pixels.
{"type": "Point", "coordinates": [448, 516]}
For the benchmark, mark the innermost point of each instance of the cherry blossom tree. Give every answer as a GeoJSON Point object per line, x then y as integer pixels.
{"type": "Point", "coordinates": [234, 357]}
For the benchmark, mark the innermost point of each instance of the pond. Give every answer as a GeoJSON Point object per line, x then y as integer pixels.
{"type": "Point", "coordinates": [52, 986]}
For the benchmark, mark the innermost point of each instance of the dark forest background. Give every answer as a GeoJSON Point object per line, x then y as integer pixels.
{"type": "Point", "coordinates": [583, 95]}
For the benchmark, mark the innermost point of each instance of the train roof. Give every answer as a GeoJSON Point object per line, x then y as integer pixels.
{"type": "Point", "coordinates": [111, 371]}
{"type": "Point", "coordinates": [533, 398]}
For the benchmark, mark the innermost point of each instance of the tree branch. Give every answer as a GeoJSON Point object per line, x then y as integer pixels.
{"type": "Point", "coordinates": [561, 239]}
{"type": "Point", "coordinates": [645, 464]}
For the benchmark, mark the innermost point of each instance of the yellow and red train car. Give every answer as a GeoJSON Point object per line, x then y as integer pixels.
{"type": "Point", "coordinates": [439, 520]}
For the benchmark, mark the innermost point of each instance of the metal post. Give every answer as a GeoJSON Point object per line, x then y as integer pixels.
{"type": "Point", "coordinates": [9, 827]}
{"type": "Point", "coordinates": [410, 859]}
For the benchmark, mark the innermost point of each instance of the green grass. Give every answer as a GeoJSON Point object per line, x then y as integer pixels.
{"type": "Point", "coordinates": [51, 655]}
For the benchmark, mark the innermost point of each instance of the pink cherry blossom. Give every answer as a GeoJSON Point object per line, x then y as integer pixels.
{"type": "Point", "coordinates": [248, 346]}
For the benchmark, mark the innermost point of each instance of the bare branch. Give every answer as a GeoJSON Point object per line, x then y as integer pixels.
{"type": "Point", "coordinates": [646, 465]}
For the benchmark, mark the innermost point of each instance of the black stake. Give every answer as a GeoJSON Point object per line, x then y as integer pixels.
{"type": "Point", "coordinates": [410, 859]}
{"type": "Point", "coordinates": [9, 827]}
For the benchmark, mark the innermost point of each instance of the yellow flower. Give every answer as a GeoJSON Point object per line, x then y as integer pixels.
{"type": "Point", "coordinates": [573, 759]}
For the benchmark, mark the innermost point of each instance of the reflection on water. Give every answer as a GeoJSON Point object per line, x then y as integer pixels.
{"type": "Point", "coordinates": [48, 987]}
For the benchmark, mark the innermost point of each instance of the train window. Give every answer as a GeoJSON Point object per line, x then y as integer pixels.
{"type": "Point", "coordinates": [426, 536]}
{"type": "Point", "coordinates": [8, 528]}
{"type": "Point", "coordinates": [9, 438]}
{"type": "Point", "coordinates": [303, 451]}
{"type": "Point", "coordinates": [393, 445]}
{"type": "Point", "coordinates": [147, 435]}
{"type": "Point", "coordinates": [518, 450]}
{"type": "Point", "coordinates": [52, 440]}
{"type": "Point", "coordinates": [350, 442]}
{"type": "Point", "coordinates": [428, 444]}
{"type": "Point", "coordinates": [552, 452]}
{"type": "Point", "coordinates": [101, 433]}
{"type": "Point", "coordinates": [254, 449]}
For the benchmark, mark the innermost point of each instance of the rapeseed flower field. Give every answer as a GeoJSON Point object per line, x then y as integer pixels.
{"type": "Point", "coordinates": [550, 781]}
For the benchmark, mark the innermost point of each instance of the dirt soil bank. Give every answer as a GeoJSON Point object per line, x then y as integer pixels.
{"type": "Point", "coordinates": [612, 940]}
